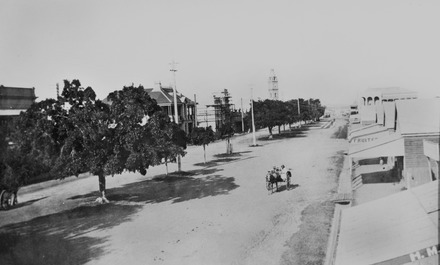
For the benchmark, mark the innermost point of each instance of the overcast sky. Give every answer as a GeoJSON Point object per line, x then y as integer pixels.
{"type": "Point", "coordinates": [326, 49]}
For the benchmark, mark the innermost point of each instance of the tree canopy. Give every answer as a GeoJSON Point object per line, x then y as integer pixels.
{"type": "Point", "coordinates": [202, 136]}
{"type": "Point", "coordinates": [78, 133]}
{"type": "Point", "coordinates": [271, 113]}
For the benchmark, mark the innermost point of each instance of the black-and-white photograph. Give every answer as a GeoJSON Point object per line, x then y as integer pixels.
{"type": "Point", "coordinates": [232, 132]}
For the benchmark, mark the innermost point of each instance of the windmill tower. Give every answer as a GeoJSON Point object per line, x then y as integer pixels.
{"type": "Point", "coordinates": [273, 86]}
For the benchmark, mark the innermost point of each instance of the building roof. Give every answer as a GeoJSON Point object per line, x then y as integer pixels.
{"type": "Point", "coordinates": [380, 116]}
{"type": "Point", "coordinates": [388, 91]}
{"type": "Point", "coordinates": [385, 145]}
{"type": "Point", "coordinates": [389, 109]}
{"type": "Point", "coordinates": [11, 112]}
{"type": "Point", "coordinates": [431, 149]}
{"type": "Point", "coordinates": [366, 130]}
{"type": "Point", "coordinates": [392, 230]}
{"type": "Point", "coordinates": [164, 95]}
{"type": "Point", "coordinates": [16, 97]}
{"type": "Point", "coordinates": [418, 116]}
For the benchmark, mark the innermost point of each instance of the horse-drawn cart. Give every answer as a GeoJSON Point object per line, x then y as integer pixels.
{"type": "Point", "coordinates": [274, 176]}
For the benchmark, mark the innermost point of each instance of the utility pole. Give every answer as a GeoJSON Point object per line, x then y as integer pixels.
{"type": "Point", "coordinates": [195, 111]}
{"type": "Point", "coordinates": [254, 142]}
{"type": "Point", "coordinates": [242, 121]}
{"type": "Point", "coordinates": [176, 116]}
{"type": "Point", "coordinates": [299, 114]}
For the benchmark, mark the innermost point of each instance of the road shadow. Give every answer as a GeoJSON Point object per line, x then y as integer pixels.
{"type": "Point", "coordinates": [293, 133]}
{"type": "Point", "coordinates": [282, 187]}
{"type": "Point", "coordinates": [58, 238]}
{"type": "Point", "coordinates": [341, 133]}
{"type": "Point", "coordinates": [236, 154]}
{"type": "Point", "coordinates": [63, 238]}
{"type": "Point", "coordinates": [175, 188]}
{"type": "Point", "coordinates": [27, 203]}
{"type": "Point", "coordinates": [223, 159]}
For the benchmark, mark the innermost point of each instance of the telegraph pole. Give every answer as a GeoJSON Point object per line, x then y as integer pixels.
{"type": "Point", "coordinates": [254, 142]}
{"type": "Point", "coordinates": [176, 116]}
{"type": "Point", "coordinates": [299, 114]}
{"type": "Point", "coordinates": [195, 111]}
{"type": "Point", "coordinates": [242, 121]}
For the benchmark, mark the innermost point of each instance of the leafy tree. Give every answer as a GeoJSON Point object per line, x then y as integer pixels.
{"type": "Point", "coordinates": [170, 139]}
{"type": "Point", "coordinates": [202, 136]}
{"type": "Point", "coordinates": [292, 114]}
{"type": "Point", "coordinates": [82, 133]}
{"type": "Point", "coordinates": [270, 113]}
{"type": "Point", "coordinates": [226, 132]}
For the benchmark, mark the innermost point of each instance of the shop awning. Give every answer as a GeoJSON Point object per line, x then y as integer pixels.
{"type": "Point", "coordinates": [389, 145]}
{"type": "Point", "coordinates": [431, 149]}
{"type": "Point", "coordinates": [372, 131]}
{"type": "Point", "coordinates": [398, 229]}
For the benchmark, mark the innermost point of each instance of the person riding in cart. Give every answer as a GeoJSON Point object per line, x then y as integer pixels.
{"type": "Point", "coordinates": [276, 173]}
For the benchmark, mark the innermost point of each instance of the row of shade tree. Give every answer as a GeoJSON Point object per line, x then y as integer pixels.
{"type": "Point", "coordinates": [78, 133]}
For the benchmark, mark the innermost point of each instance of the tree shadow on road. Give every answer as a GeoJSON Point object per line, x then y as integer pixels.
{"type": "Point", "coordinates": [58, 238]}
{"type": "Point", "coordinates": [27, 203]}
{"type": "Point", "coordinates": [174, 187]}
{"type": "Point", "coordinates": [294, 133]}
{"type": "Point", "coordinates": [63, 238]}
{"type": "Point", "coordinates": [223, 159]}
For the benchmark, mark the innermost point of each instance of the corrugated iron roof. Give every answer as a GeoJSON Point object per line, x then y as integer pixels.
{"type": "Point", "coordinates": [17, 92]}
{"type": "Point", "coordinates": [366, 130]}
{"type": "Point", "coordinates": [16, 97]}
{"type": "Point", "coordinates": [386, 145]}
{"type": "Point", "coordinates": [389, 114]}
{"type": "Point", "coordinates": [391, 230]}
{"type": "Point", "coordinates": [418, 116]}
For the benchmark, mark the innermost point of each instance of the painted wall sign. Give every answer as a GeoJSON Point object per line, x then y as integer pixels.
{"type": "Point", "coordinates": [412, 257]}
{"type": "Point", "coordinates": [359, 140]}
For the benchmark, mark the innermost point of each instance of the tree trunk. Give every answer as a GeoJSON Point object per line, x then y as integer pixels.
{"type": "Point", "coordinates": [101, 178]}
{"type": "Point", "coordinates": [166, 165]}
{"type": "Point", "coordinates": [228, 146]}
{"type": "Point", "coordinates": [204, 153]}
{"type": "Point", "coordinates": [279, 129]}
{"type": "Point", "coordinates": [179, 164]}
{"type": "Point", "coordinates": [270, 133]}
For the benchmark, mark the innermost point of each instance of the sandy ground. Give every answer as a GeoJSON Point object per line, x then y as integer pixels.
{"type": "Point", "coordinates": [221, 214]}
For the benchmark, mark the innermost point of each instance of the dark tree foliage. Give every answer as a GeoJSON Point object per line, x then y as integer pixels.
{"type": "Point", "coordinates": [202, 136]}
{"type": "Point", "coordinates": [270, 113]}
{"type": "Point", "coordinates": [79, 133]}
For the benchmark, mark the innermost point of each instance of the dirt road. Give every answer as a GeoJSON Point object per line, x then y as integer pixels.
{"type": "Point", "coordinates": [220, 213]}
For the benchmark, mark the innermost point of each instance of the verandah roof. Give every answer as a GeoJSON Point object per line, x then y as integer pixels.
{"type": "Point", "coordinates": [390, 145]}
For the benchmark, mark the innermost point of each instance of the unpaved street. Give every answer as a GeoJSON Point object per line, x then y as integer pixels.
{"type": "Point", "coordinates": [220, 213]}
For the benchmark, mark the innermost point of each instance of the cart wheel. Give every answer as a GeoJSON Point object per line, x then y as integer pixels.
{"type": "Point", "coordinates": [3, 201]}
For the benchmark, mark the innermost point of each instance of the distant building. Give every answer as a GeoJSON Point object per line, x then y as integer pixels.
{"type": "Point", "coordinates": [186, 108]}
{"type": "Point", "coordinates": [354, 114]}
{"type": "Point", "coordinates": [407, 142]}
{"type": "Point", "coordinates": [273, 86]}
{"type": "Point", "coordinates": [221, 112]}
{"type": "Point", "coordinates": [14, 100]}
{"type": "Point", "coordinates": [372, 99]}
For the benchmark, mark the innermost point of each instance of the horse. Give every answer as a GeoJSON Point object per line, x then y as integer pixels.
{"type": "Point", "coordinates": [274, 177]}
